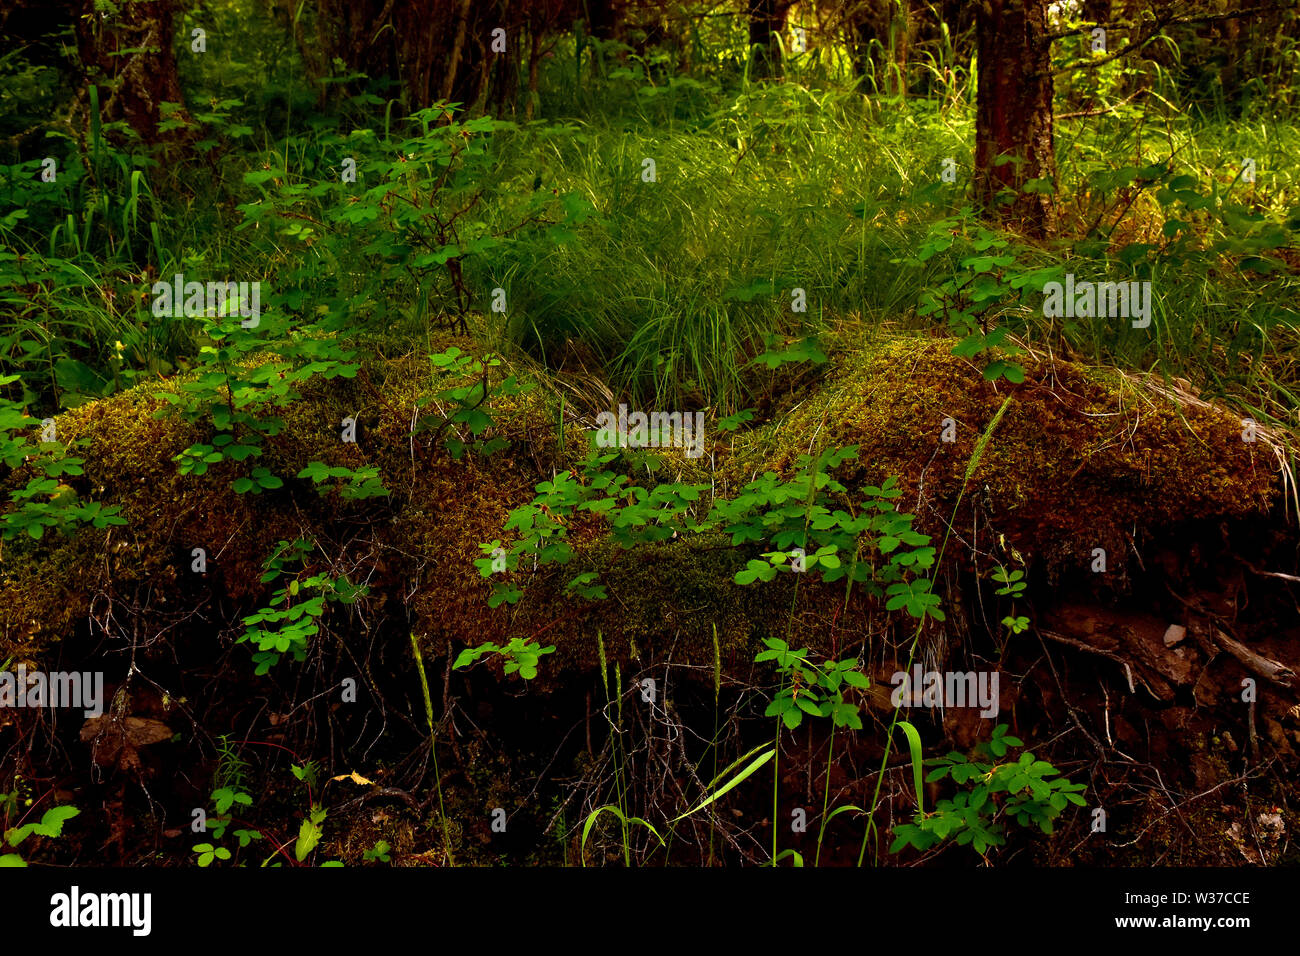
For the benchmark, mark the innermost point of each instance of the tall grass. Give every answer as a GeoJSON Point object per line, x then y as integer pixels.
{"type": "Point", "coordinates": [761, 189]}
{"type": "Point", "coordinates": [770, 188]}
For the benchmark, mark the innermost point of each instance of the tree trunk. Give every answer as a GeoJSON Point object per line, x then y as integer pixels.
{"type": "Point", "coordinates": [458, 45]}
{"type": "Point", "coordinates": [534, 74]}
{"type": "Point", "coordinates": [133, 86]}
{"type": "Point", "coordinates": [436, 49]}
{"type": "Point", "coordinates": [900, 38]}
{"type": "Point", "coordinates": [1014, 113]}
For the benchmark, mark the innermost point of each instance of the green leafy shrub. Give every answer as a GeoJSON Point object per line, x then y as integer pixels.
{"type": "Point", "coordinates": [518, 657]}
{"type": "Point", "coordinates": [50, 825]}
{"type": "Point", "coordinates": [44, 502]}
{"type": "Point", "coordinates": [238, 387]}
{"type": "Point", "coordinates": [293, 616]}
{"type": "Point", "coordinates": [1031, 792]}
{"type": "Point", "coordinates": [467, 405]}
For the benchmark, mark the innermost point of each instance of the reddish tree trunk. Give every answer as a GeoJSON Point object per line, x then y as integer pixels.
{"type": "Point", "coordinates": [1014, 113]}
{"type": "Point", "coordinates": [132, 86]}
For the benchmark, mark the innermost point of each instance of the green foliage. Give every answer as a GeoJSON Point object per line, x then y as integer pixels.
{"type": "Point", "coordinates": [72, 326]}
{"type": "Point", "coordinates": [309, 833]}
{"type": "Point", "coordinates": [734, 775]}
{"type": "Point", "coordinates": [722, 783]}
{"type": "Point", "coordinates": [44, 502]}
{"type": "Point", "coordinates": [209, 852]}
{"type": "Point", "coordinates": [413, 217]}
{"type": "Point", "coordinates": [816, 690]}
{"type": "Point", "coordinates": [805, 350]}
{"type": "Point", "coordinates": [624, 821]}
{"type": "Point", "coordinates": [520, 656]}
{"type": "Point", "coordinates": [980, 291]}
{"type": "Point", "coordinates": [306, 773]}
{"type": "Point", "coordinates": [286, 625]}
{"type": "Point", "coordinates": [730, 423]}
{"type": "Point", "coordinates": [1031, 792]}
{"type": "Point", "coordinates": [229, 797]}
{"type": "Point", "coordinates": [237, 387]}
{"type": "Point", "coordinates": [677, 287]}
{"type": "Point", "coordinates": [362, 483]}
{"type": "Point", "coordinates": [50, 825]}
{"type": "Point", "coordinates": [1012, 582]}
{"type": "Point", "coordinates": [1013, 586]}
{"type": "Point", "coordinates": [467, 405]}
{"type": "Point", "coordinates": [874, 546]}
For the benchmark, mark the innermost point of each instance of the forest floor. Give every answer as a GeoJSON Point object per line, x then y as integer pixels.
{"type": "Point", "coordinates": [1155, 663]}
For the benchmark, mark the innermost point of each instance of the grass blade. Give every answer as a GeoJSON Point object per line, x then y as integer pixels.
{"type": "Point", "coordinates": [914, 745]}
{"type": "Point", "coordinates": [735, 781]}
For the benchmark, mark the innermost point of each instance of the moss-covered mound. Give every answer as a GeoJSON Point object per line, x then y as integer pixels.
{"type": "Point", "coordinates": [1079, 460]}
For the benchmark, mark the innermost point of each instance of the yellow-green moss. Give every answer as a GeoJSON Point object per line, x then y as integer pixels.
{"type": "Point", "coordinates": [1079, 460]}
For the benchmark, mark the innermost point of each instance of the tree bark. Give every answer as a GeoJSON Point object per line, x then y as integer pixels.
{"type": "Point", "coordinates": [900, 36]}
{"type": "Point", "coordinates": [133, 86]}
{"type": "Point", "coordinates": [534, 75]}
{"type": "Point", "coordinates": [1014, 113]}
{"type": "Point", "coordinates": [436, 49]}
{"type": "Point", "coordinates": [458, 45]}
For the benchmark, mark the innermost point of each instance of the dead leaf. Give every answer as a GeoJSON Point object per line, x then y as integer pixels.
{"type": "Point", "coordinates": [355, 778]}
{"type": "Point", "coordinates": [119, 741]}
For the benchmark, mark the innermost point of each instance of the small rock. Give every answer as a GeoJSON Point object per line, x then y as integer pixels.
{"type": "Point", "coordinates": [1174, 634]}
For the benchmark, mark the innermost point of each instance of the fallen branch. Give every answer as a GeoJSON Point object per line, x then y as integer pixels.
{"type": "Point", "coordinates": [1264, 667]}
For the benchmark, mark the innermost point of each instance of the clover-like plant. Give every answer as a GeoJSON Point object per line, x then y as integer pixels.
{"type": "Point", "coordinates": [294, 614]}
{"type": "Point", "coordinates": [1029, 791]}
{"type": "Point", "coordinates": [814, 690]}
{"type": "Point", "coordinates": [520, 656]}
{"type": "Point", "coordinates": [1013, 586]}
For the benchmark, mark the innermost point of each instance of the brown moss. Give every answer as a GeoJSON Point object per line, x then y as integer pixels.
{"type": "Point", "coordinates": [47, 587]}
{"type": "Point", "coordinates": [1080, 460]}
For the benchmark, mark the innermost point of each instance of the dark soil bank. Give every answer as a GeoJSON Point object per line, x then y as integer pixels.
{"type": "Point", "coordinates": [1118, 561]}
